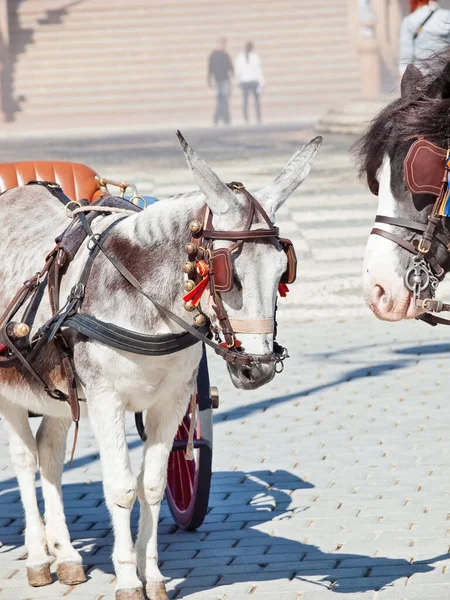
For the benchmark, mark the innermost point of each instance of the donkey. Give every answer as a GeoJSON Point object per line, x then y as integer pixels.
{"type": "Point", "coordinates": [403, 156]}
{"type": "Point", "coordinates": [151, 244]}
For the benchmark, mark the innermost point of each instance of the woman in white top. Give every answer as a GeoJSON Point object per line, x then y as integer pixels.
{"type": "Point", "coordinates": [249, 75]}
{"type": "Point", "coordinates": [424, 32]}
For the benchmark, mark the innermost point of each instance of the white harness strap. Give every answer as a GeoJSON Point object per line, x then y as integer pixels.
{"type": "Point", "coordinates": [252, 325]}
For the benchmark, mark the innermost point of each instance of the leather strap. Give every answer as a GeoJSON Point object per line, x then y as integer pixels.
{"type": "Point", "coordinates": [394, 238]}
{"type": "Point", "coordinates": [252, 325]}
{"type": "Point", "coordinates": [131, 341]}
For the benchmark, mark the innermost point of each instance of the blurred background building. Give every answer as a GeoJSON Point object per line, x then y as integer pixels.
{"type": "Point", "coordinates": [144, 62]}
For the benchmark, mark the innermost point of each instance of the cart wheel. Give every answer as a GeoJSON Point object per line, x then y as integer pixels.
{"type": "Point", "coordinates": [189, 481]}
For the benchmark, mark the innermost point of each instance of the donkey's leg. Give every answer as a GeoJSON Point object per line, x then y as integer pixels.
{"type": "Point", "coordinates": [107, 416]}
{"type": "Point", "coordinates": [23, 450]}
{"type": "Point", "coordinates": [51, 443]}
{"type": "Point", "coordinates": [161, 425]}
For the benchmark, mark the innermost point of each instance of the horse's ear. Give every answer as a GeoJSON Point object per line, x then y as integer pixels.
{"type": "Point", "coordinates": [219, 197]}
{"type": "Point", "coordinates": [412, 81]}
{"type": "Point", "coordinates": [445, 81]}
{"type": "Point", "coordinates": [293, 174]}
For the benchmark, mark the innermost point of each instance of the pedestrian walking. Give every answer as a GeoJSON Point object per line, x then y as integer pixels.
{"type": "Point", "coordinates": [220, 67]}
{"type": "Point", "coordinates": [423, 33]}
{"type": "Point", "coordinates": [248, 71]}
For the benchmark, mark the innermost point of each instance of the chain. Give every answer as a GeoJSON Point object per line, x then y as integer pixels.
{"type": "Point", "coordinates": [419, 277]}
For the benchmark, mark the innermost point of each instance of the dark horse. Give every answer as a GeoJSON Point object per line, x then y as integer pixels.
{"type": "Point", "coordinates": [404, 155]}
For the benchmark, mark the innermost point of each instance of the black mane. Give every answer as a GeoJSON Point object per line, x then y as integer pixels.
{"type": "Point", "coordinates": [422, 112]}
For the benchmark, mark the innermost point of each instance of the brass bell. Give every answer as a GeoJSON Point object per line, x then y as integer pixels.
{"type": "Point", "coordinates": [188, 267]}
{"type": "Point", "coordinates": [189, 285]}
{"type": "Point", "coordinates": [200, 320]}
{"type": "Point", "coordinates": [189, 306]}
{"type": "Point", "coordinates": [195, 226]}
{"type": "Point", "coordinates": [191, 249]}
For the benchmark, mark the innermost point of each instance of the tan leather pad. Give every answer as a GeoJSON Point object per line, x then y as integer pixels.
{"type": "Point", "coordinates": [424, 168]}
{"type": "Point", "coordinates": [223, 270]}
{"type": "Point", "coordinates": [76, 180]}
{"type": "Point", "coordinates": [290, 274]}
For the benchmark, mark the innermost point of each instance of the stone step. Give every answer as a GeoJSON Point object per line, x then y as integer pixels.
{"type": "Point", "coordinates": [161, 48]}
{"type": "Point", "coordinates": [89, 12]}
{"type": "Point", "coordinates": [73, 86]}
{"type": "Point", "coordinates": [152, 99]}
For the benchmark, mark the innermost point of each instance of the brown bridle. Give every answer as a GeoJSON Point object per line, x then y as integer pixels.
{"type": "Point", "coordinates": [216, 265]}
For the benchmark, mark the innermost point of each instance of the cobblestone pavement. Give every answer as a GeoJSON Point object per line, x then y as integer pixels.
{"type": "Point", "coordinates": [329, 482]}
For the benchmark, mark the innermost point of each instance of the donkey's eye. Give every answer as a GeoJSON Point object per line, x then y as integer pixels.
{"type": "Point", "coordinates": [237, 283]}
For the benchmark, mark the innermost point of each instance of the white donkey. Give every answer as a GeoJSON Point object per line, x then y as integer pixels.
{"type": "Point", "coordinates": [152, 245]}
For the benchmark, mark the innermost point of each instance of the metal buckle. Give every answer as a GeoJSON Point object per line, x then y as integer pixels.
{"type": "Point", "coordinates": [93, 241]}
{"type": "Point", "coordinates": [421, 248]}
{"type": "Point", "coordinates": [70, 214]}
{"type": "Point", "coordinates": [233, 342]}
{"type": "Point", "coordinates": [425, 304]}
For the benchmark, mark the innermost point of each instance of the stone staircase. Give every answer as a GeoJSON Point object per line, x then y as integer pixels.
{"type": "Point", "coordinates": [144, 61]}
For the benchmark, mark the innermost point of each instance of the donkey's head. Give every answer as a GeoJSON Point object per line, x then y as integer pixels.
{"type": "Point", "coordinates": [257, 265]}
{"type": "Point", "coordinates": [421, 112]}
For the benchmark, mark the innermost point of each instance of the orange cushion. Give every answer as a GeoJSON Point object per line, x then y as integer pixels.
{"type": "Point", "coordinates": [77, 180]}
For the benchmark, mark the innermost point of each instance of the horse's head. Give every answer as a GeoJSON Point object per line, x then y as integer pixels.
{"type": "Point", "coordinates": [257, 264]}
{"type": "Point", "coordinates": [406, 196]}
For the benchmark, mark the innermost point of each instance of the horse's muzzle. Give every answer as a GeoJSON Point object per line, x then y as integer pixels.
{"type": "Point", "coordinates": [251, 378]}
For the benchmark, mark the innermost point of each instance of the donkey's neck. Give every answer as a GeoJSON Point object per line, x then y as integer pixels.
{"type": "Point", "coordinates": [152, 247]}
{"type": "Point", "coordinates": [165, 221]}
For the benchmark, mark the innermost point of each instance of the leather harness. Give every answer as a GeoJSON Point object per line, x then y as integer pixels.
{"type": "Point", "coordinates": [23, 351]}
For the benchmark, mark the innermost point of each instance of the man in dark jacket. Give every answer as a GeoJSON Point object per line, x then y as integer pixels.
{"type": "Point", "coordinates": [220, 68]}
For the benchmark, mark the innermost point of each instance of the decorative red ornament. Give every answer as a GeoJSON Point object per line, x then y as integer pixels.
{"type": "Point", "coordinates": [283, 290]}
{"type": "Point", "coordinates": [237, 344]}
{"type": "Point", "coordinates": [3, 348]}
{"type": "Point", "coordinates": [202, 268]}
{"type": "Point", "coordinates": [195, 294]}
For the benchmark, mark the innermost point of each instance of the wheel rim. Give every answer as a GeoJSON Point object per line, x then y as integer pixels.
{"type": "Point", "coordinates": [182, 475]}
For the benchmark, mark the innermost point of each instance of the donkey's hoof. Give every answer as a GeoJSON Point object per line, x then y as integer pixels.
{"type": "Point", "coordinates": [136, 594]}
{"type": "Point", "coordinates": [38, 576]}
{"type": "Point", "coordinates": [156, 591]}
{"type": "Point", "coordinates": [70, 573]}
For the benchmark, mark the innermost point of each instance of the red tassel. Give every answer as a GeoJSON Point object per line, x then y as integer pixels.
{"type": "Point", "coordinates": [283, 290]}
{"type": "Point", "coordinates": [196, 294]}
{"type": "Point", "coordinates": [237, 344]}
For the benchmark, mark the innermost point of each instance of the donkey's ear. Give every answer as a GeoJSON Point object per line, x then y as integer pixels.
{"type": "Point", "coordinates": [412, 81]}
{"type": "Point", "coordinates": [219, 197]}
{"type": "Point", "coordinates": [445, 81]}
{"type": "Point", "coordinates": [293, 174]}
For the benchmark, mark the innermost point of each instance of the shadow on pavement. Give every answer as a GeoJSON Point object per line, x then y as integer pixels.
{"type": "Point", "coordinates": [360, 373]}
{"type": "Point", "coordinates": [244, 554]}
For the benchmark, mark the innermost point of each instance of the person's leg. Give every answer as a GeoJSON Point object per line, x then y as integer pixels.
{"type": "Point", "coordinates": [226, 102]}
{"type": "Point", "coordinates": [257, 101]}
{"type": "Point", "coordinates": [217, 111]}
{"type": "Point", "coordinates": [245, 90]}
{"type": "Point", "coordinates": [221, 101]}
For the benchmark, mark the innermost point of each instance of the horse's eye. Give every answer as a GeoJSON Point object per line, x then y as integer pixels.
{"type": "Point", "coordinates": [237, 283]}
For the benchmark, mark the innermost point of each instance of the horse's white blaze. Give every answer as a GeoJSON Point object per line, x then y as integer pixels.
{"type": "Point", "coordinates": [383, 285]}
